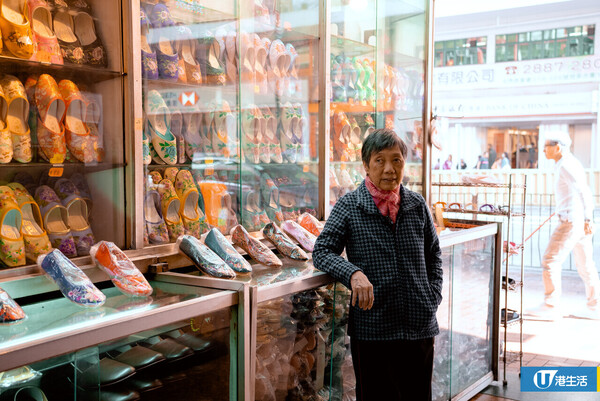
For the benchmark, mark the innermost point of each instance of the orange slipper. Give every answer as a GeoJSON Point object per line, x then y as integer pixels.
{"type": "Point", "coordinates": [77, 134]}
{"type": "Point", "coordinates": [51, 109]}
{"type": "Point", "coordinates": [16, 119]}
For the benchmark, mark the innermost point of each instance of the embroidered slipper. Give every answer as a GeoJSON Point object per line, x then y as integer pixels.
{"type": "Point", "coordinates": [232, 57]}
{"type": "Point", "coordinates": [155, 224]}
{"type": "Point", "coordinates": [227, 217]}
{"type": "Point", "coordinates": [77, 215]}
{"type": "Point", "coordinates": [16, 30]}
{"type": "Point", "coordinates": [204, 258]}
{"type": "Point", "coordinates": [177, 130]}
{"type": "Point", "coordinates": [251, 134]}
{"type": "Point", "coordinates": [209, 57]}
{"type": "Point", "coordinates": [270, 197]}
{"type": "Point", "coordinates": [279, 62]}
{"type": "Point", "coordinates": [10, 311]}
{"type": "Point", "coordinates": [46, 45]}
{"type": "Point", "coordinates": [64, 28]}
{"type": "Point", "coordinates": [170, 206]}
{"type": "Point", "coordinates": [6, 146]}
{"type": "Point", "coordinates": [167, 58]}
{"type": "Point", "coordinates": [85, 31]}
{"type": "Point", "coordinates": [50, 130]}
{"type": "Point", "coordinates": [12, 247]}
{"type": "Point", "coordinates": [304, 238]}
{"type": "Point", "coordinates": [121, 270]}
{"type": "Point", "coordinates": [84, 190]}
{"type": "Point", "coordinates": [247, 60]}
{"type": "Point", "coordinates": [260, 61]}
{"type": "Point", "coordinates": [256, 249]}
{"type": "Point", "coordinates": [289, 121]}
{"type": "Point", "coordinates": [16, 118]}
{"type": "Point", "coordinates": [77, 134]}
{"type": "Point", "coordinates": [250, 216]}
{"type": "Point", "coordinates": [283, 243]}
{"type": "Point", "coordinates": [159, 124]}
{"type": "Point", "coordinates": [34, 236]}
{"type": "Point", "coordinates": [299, 131]}
{"type": "Point", "coordinates": [93, 117]}
{"type": "Point", "coordinates": [310, 223]}
{"type": "Point", "coordinates": [223, 138]}
{"type": "Point", "coordinates": [216, 241]}
{"type": "Point", "coordinates": [170, 174]}
{"type": "Point", "coordinates": [186, 48]}
{"type": "Point", "coordinates": [191, 133]}
{"type": "Point", "coordinates": [71, 281]}
{"type": "Point", "coordinates": [188, 197]}
{"type": "Point", "coordinates": [149, 60]}
{"type": "Point", "coordinates": [341, 132]}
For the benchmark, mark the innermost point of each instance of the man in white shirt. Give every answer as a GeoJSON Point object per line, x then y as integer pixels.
{"type": "Point", "coordinates": [574, 208]}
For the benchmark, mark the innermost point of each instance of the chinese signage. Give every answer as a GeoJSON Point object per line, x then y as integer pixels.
{"type": "Point", "coordinates": [522, 105]}
{"type": "Point", "coordinates": [520, 73]}
{"type": "Point", "coordinates": [559, 379]}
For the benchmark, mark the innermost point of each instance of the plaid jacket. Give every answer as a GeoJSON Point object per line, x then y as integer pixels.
{"type": "Point", "coordinates": [404, 265]}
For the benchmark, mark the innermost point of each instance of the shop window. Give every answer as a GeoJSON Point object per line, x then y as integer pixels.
{"type": "Point", "coordinates": [461, 51]}
{"type": "Point", "coordinates": [560, 42]}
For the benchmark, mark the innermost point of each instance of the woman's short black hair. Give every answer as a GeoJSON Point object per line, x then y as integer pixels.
{"type": "Point", "coordinates": [379, 140]}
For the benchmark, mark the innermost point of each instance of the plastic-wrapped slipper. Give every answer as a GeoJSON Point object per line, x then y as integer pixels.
{"type": "Point", "coordinates": [256, 249]}
{"type": "Point", "coordinates": [71, 281]}
{"type": "Point", "coordinates": [121, 270]}
{"type": "Point", "coordinates": [204, 258]}
{"type": "Point", "coordinates": [283, 243]}
{"type": "Point", "coordinates": [216, 241]}
{"type": "Point", "coordinates": [310, 223]}
{"type": "Point", "coordinates": [305, 238]}
{"type": "Point", "coordinates": [10, 311]}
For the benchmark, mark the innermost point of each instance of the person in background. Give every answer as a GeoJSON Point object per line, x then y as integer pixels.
{"type": "Point", "coordinates": [437, 165]}
{"type": "Point", "coordinates": [491, 156]}
{"type": "Point", "coordinates": [574, 207]}
{"type": "Point", "coordinates": [505, 162]}
{"type": "Point", "coordinates": [533, 157]}
{"type": "Point", "coordinates": [462, 165]}
{"type": "Point", "coordinates": [393, 268]}
{"type": "Point", "coordinates": [482, 163]}
{"type": "Point", "coordinates": [448, 163]}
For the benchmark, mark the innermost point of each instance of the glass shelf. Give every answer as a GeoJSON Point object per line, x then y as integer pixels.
{"type": "Point", "coordinates": [13, 65]}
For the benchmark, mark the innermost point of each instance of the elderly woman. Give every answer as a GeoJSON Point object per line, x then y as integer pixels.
{"type": "Point", "coordinates": [393, 268]}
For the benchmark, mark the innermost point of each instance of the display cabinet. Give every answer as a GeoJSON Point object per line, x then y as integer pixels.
{"type": "Point", "coordinates": [378, 76]}
{"type": "Point", "coordinates": [298, 319]}
{"type": "Point", "coordinates": [181, 338]}
{"type": "Point", "coordinates": [466, 350]}
{"type": "Point", "coordinates": [62, 143]}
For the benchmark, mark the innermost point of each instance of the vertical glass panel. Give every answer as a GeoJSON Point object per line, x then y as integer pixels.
{"type": "Point", "coordinates": [524, 53]}
{"type": "Point", "coordinates": [472, 312]}
{"type": "Point", "coordinates": [301, 346]}
{"type": "Point", "coordinates": [61, 132]}
{"type": "Point", "coordinates": [440, 386]}
{"type": "Point", "coordinates": [190, 92]}
{"type": "Point", "coordinates": [354, 67]}
{"type": "Point", "coordinates": [549, 49]}
{"type": "Point", "coordinates": [560, 48]}
{"type": "Point", "coordinates": [500, 53]}
{"type": "Point", "coordinates": [401, 56]}
{"type": "Point", "coordinates": [279, 67]}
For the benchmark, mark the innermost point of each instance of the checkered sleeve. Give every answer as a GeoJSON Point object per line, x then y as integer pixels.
{"type": "Point", "coordinates": [433, 255]}
{"type": "Point", "coordinates": [332, 241]}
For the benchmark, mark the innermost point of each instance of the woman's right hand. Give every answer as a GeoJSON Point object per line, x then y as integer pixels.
{"type": "Point", "coordinates": [362, 290]}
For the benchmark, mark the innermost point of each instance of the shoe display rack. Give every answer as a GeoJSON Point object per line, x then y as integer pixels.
{"type": "Point", "coordinates": [376, 81]}
{"type": "Point", "coordinates": [61, 128]}
{"type": "Point", "coordinates": [483, 199]}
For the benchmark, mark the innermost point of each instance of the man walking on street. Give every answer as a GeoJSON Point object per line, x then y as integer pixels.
{"type": "Point", "coordinates": [574, 208]}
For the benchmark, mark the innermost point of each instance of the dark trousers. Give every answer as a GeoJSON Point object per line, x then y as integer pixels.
{"type": "Point", "coordinates": [393, 370]}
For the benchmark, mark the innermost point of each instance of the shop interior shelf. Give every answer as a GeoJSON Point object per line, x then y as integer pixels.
{"type": "Point", "coordinates": [12, 65]}
{"type": "Point", "coordinates": [89, 168]}
{"type": "Point", "coordinates": [194, 13]}
{"type": "Point", "coordinates": [467, 211]}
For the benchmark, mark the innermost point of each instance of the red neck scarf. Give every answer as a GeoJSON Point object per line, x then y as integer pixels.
{"type": "Point", "coordinates": [388, 202]}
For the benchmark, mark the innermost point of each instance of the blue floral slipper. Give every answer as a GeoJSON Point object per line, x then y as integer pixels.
{"type": "Point", "coordinates": [71, 281]}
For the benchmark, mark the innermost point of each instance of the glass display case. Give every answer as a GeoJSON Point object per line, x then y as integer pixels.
{"type": "Point", "coordinates": [229, 109]}
{"type": "Point", "coordinates": [377, 69]}
{"type": "Point", "coordinates": [61, 129]}
{"type": "Point", "coordinates": [181, 337]}
{"type": "Point", "coordinates": [466, 350]}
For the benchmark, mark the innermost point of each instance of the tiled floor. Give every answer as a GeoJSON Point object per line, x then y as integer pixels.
{"type": "Point", "coordinates": [570, 341]}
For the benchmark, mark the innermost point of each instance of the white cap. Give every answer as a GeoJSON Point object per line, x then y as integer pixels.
{"type": "Point", "coordinates": [559, 136]}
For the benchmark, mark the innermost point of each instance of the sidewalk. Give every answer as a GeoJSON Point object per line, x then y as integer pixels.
{"type": "Point", "coordinates": [570, 341]}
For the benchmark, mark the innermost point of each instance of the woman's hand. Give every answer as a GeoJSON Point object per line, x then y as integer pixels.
{"type": "Point", "coordinates": [362, 290]}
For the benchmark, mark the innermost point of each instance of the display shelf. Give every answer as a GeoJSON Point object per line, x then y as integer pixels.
{"type": "Point", "coordinates": [466, 211]}
{"type": "Point", "coordinates": [88, 167]}
{"type": "Point", "coordinates": [350, 47]}
{"type": "Point", "coordinates": [191, 13]}
{"type": "Point", "coordinates": [460, 184]}
{"type": "Point", "coordinates": [18, 66]}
